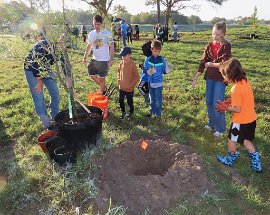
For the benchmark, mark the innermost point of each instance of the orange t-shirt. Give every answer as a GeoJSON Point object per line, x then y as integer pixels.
{"type": "Point", "coordinates": [242, 96]}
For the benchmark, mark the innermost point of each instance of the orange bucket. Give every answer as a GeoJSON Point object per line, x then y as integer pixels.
{"type": "Point", "coordinates": [99, 101]}
{"type": "Point", "coordinates": [42, 139]}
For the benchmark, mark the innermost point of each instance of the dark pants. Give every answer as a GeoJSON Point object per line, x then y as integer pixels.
{"type": "Point", "coordinates": [143, 88]}
{"type": "Point", "coordinates": [129, 95]}
{"type": "Point", "coordinates": [129, 38]}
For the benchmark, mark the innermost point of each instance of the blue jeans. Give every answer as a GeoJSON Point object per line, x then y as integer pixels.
{"type": "Point", "coordinates": [155, 100]}
{"type": "Point", "coordinates": [124, 38]}
{"type": "Point", "coordinates": [215, 90]}
{"type": "Point", "coordinates": [38, 98]}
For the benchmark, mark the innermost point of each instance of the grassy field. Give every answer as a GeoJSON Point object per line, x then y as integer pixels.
{"type": "Point", "coordinates": [31, 184]}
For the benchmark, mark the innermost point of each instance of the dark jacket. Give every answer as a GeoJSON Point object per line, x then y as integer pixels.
{"type": "Point", "coordinates": [39, 59]}
{"type": "Point", "coordinates": [224, 54]}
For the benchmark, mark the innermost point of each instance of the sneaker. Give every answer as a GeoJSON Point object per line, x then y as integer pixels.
{"type": "Point", "coordinates": [255, 161]}
{"type": "Point", "coordinates": [207, 127]}
{"type": "Point", "coordinates": [122, 116]}
{"type": "Point", "coordinates": [218, 134]}
{"type": "Point", "coordinates": [229, 159]}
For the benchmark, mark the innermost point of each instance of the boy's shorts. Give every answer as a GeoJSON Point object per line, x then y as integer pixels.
{"type": "Point", "coordinates": [240, 132]}
{"type": "Point", "coordinates": [99, 68]}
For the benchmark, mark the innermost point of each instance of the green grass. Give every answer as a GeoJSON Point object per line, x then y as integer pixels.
{"type": "Point", "coordinates": [34, 184]}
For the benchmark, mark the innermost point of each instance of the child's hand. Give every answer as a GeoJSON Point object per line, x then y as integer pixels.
{"type": "Point", "coordinates": [151, 71]}
{"type": "Point", "coordinates": [221, 106]}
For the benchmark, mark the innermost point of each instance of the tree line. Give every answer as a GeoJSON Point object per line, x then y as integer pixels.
{"type": "Point", "coordinates": [17, 12]}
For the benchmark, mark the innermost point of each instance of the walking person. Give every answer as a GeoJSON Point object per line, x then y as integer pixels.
{"type": "Point", "coordinates": [175, 31]}
{"type": "Point", "coordinates": [129, 33]}
{"type": "Point", "coordinates": [241, 104]}
{"type": "Point", "coordinates": [38, 73]}
{"type": "Point", "coordinates": [215, 53]}
{"type": "Point", "coordinates": [83, 32]}
{"type": "Point", "coordinates": [123, 27]}
{"type": "Point", "coordinates": [101, 42]}
{"type": "Point", "coordinates": [128, 78]}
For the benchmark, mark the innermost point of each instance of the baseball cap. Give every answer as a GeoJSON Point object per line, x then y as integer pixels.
{"type": "Point", "coordinates": [124, 51]}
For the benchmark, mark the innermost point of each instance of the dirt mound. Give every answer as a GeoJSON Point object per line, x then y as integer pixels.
{"type": "Point", "coordinates": [153, 179]}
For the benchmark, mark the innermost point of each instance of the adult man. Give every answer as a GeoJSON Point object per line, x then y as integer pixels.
{"type": "Point", "coordinates": [37, 69]}
{"type": "Point", "coordinates": [101, 41]}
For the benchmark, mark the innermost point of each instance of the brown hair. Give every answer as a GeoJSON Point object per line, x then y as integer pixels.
{"type": "Point", "coordinates": [232, 70]}
{"type": "Point", "coordinates": [156, 44]}
{"type": "Point", "coordinates": [98, 18]}
{"type": "Point", "coordinates": [221, 26]}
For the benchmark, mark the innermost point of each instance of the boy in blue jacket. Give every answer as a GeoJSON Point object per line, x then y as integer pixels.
{"type": "Point", "coordinates": [155, 68]}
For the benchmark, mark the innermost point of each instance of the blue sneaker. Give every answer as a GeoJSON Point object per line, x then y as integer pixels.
{"type": "Point", "coordinates": [255, 161]}
{"type": "Point", "coordinates": [229, 159]}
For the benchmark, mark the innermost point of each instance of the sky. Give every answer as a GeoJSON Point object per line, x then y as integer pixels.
{"type": "Point", "coordinates": [229, 10]}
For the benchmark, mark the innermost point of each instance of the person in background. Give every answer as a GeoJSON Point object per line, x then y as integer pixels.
{"type": "Point", "coordinates": [38, 73]}
{"type": "Point", "coordinates": [137, 31]}
{"type": "Point", "coordinates": [159, 33]}
{"type": "Point", "coordinates": [215, 53]}
{"type": "Point", "coordinates": [124, 32]}
{"type": "Point", "coordinates": [129, 33]}
{"type": "Point", "coordinates": [241, 104]}
{"type": "Point", "coordinates": [83, 32]}
{"type": "Point", "coordinates": [101, 42]}
{"type": "Point", "coordinates": [175, 31]}
{"type": "Point", "coordinates": [128, 78]}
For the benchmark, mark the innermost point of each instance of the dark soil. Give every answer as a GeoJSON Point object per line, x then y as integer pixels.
{"type": "Point", "coordinates": [82, 117]}
{"type": "Point", "coordinates": [154, 179]}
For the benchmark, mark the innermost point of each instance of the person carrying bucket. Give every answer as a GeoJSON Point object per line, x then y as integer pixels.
{"type": "Point", "coordinates": [101, 42]}
{"type": "Point", "coordinates": [128, 78]}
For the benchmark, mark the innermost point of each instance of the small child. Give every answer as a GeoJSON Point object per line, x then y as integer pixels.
{"type": "Point", "coordinates": [128, 78]}
{"type": "Point", "coordinates": [243, 124]}
{"type": "Point", "coordinates": [155, 67]}
{"type": "Point", "coordinates": [143, 85]}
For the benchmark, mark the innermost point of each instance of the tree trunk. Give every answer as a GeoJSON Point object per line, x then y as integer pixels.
{"type": "Point", "coordinates": [158, 11]}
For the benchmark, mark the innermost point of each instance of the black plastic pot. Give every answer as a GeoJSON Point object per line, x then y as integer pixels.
{"type": "Point", "coordinates": [82, 132]}
{"type": "Point", "coordinates": [54, 143]}
{"type": "Point", "coordinates": [62, 156]}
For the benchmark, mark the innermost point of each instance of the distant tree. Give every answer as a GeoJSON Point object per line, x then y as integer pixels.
{"type": "Point", "coordinates": [36, 5]}
{"type": "Point", "coordinates": [121, 11]}
{"type": "Point", "coordinates": [217, 19]}
{"type": "Point", "coordinates": [245, 21]}
{"type": "Point", "coordinates": [155, 2]}
{"type": "Point", "coordinates": [179, 18]}
{"type": "Point", "coordinates": [101, 6]}
{"type": "Point", "coordinates": [176, 5]}
{"type": "Point", "coordinates": [135, 19]}
{"type": "Point", "coordinates": [194, 20]}
{"type": "Point", "coordinates": [13, 12]}
{"type": "Point", "coordinates": [254, 18]}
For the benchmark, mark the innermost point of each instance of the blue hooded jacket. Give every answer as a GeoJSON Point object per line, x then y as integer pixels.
{"type": "Point", "coordinates": [160, 65]}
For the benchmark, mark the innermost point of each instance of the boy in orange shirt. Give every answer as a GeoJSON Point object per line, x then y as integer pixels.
{"type": "Point", "coordinates": [128, 78]}
{"type": "Point", "coordinates": [243, 124]}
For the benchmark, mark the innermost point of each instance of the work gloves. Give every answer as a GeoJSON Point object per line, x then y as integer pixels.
{"type": "Point", "coordinates": [222, 106]}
